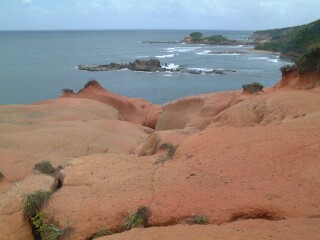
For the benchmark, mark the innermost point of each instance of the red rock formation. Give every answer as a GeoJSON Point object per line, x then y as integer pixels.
{"type": "Point", "coordinates": [239, 157]}
{"type": "Point", "coordinates": [134, 110]}
{"type": "Point", "coordinates": [196, 111]}
{"type": "Point", "coordinates": [294, 80]}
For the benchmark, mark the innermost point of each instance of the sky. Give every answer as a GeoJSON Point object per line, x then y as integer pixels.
{"type": "Point", "coordinates": [156, 14]}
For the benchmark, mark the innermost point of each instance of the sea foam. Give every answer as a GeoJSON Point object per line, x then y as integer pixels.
{"type": "Point", "coordinates": [171, 66]}
{"type": "Point", "coordinates": [166, 56]}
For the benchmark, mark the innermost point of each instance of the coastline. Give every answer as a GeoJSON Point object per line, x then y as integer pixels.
{"type": "Point", "coordinates": [265, 52]}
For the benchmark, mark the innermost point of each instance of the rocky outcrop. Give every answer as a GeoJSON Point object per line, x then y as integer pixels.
{"type": "Point", "coordinates": [134, 110]}
{"type": "Point", "coordinates": [253, 158]}
{"type": "Point", "coordinates": [293, 79]}
{"type": "Point", "coordinates": [14, 225]}
{"type": "Point", "coordinates": [151, 65]}
{"type": "Point", "coordinates": [196, 111]}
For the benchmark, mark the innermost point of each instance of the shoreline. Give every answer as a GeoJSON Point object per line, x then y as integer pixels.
{"type": "Point", "coordinates": [264, 52]}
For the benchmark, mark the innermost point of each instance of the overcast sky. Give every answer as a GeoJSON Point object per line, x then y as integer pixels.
{"type": "Point", "coordinates": [156, 14]}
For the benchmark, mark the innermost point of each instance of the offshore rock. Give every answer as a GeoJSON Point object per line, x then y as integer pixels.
{"type": "Point", "coordinates": [151, 65]}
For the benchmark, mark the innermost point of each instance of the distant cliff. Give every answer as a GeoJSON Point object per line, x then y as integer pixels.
{"type": "Point", "coordinates": [292, 42]}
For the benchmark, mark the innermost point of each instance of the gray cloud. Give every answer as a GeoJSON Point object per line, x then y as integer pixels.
{"type": "Point", "coordinates": [157, 14]}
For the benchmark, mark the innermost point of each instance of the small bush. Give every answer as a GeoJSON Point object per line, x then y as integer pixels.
{"type": "Point", "coordinates": [161, 159]}
{"type": "Point", "coordinates": [288, 68]}
{"type": "Point", "coordinates": [1, 176]}
{"type": "Point", "coordinates": [196, 36]}
{"type": "Point", "coordinates": [102, 233]}
{"type": "Point", "coordinates": [34, 201]}
{"type": "Point", "coordinates": [217, 38]}
{"type": "Point", "coordinates": [66, 91]}
{"type": "Point", "coordinates": [198, 219]}
{"type": "Point", "coordinates": [45, 167]}
{"type": "Point", "coordinates": [137, 219]}
{"type": "Point", "coordinates": [252, 87]}
{"type": "Point", "coordinates": [48, 231]}
{"type": "Point", "coordinates": [170, 152]}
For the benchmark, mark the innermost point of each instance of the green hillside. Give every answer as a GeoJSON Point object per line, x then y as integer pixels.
{"type": "Point", "coordinates": [291, 42]}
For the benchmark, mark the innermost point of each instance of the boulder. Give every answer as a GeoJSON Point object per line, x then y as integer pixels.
{"type": "Point", "coordinates": [134, 110]}
{"type": "Point", "coordinates": [151, 65]}
{"type": "Point", "coordinates": [14, 225]}
{"type": "Point", "coordinates": [196, 111]}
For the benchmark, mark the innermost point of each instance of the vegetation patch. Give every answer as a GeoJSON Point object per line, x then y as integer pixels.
{"type": "Point", "coordinates": [198, 219]}
{"type": "Point", "coordinates": [102, 233]}
{"type": "Point", "coordinates": [196, 36]}
{"type": "Point", "coordinates": [67, 91]}
{"type": "Point", "coordinates": [199, 37]}
{"type": "Point", "coordinates": [252, 87]}
{"type": "Point", "coordinates": [288, 68]}
{"type": "Point", "coordinates": [310, 61]}
{"type": "Point", "coordinates": [137, 219]}
{"type": "Point", "coordinates": [34, 201]}
{"type": "Point", "coordinates": [217, 38]}
{"type": "Point", "coordinates": [294, 40]}
{"type": "Point", "coordinates": [45, 167]}
{"type": "Point", "coordinates": [48, 231]}
{"type": "Point", "coordinates": [170, 152]}
{"type": "Point", "coordinates": [1, 176]}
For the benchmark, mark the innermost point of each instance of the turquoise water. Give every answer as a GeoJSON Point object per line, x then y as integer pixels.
{"type": "Point", "coordinates": [36, 65]}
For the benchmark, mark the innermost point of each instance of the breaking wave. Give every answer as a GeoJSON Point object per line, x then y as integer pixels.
{"type": "Point", "coordinates": [265, 59]}
{"type": "Point", "coordinates": [171, 66]}
{"type": "Point", "coordinates": [166, 56]}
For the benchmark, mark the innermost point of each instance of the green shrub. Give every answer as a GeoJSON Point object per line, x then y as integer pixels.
{"type": "Point", "coordinates": [102, 233]}
{"type": "Point", "coordinates": [34, 201]}
{"type": "Point", "coordinates": [217, 38]}
{"type": "Point", "coordinates": [66, 90]}
{"type": "Point", "coordinates": [296, 40]}
{"type": "Point", "coordinates": [48, 231]}
{"type": "Point", "coordinates": [198, 219]}
{"type": "Point", "coordinates": [1, 176]}
{"type": "Point", "coordinates": [170, 149]}
{"type": "Point", "coordinates": [45, 167]}
{"type": "Point", "coordinates": [137, 219]}
{"type": "Point", "coordinates": [288, 68]}
{"type": "Point", "coordinates": [196, 36]}
{"type": "Point", "coordinates": [170, 152]}
{"type": "Point", "coordinates": [310, 61]}
{"type": "Point", "coordinates": [252, 87]}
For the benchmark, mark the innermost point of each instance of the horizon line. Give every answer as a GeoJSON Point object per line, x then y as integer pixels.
{"type": "Point", "coordinates": [123, 29]}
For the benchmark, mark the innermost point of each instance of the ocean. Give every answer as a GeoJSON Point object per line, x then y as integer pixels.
{"type": "Point", "coordinates": [37, 65]}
